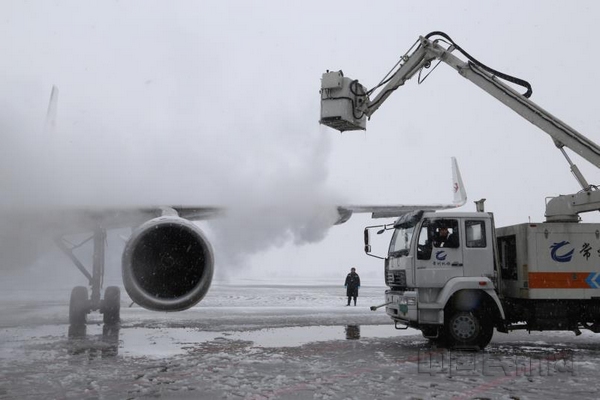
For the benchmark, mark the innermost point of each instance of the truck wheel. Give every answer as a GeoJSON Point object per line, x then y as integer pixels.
{"type": "Point", "coordinates": [469, 330]}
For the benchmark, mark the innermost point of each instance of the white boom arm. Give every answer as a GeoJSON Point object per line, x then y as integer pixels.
{"type": "Point", "coordinates": [350, 94]}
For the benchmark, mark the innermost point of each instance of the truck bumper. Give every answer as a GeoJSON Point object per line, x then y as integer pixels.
{"type": "Point", "coordinates": [402, 307]}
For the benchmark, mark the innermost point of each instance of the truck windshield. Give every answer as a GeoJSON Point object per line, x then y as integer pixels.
{"type": "Point", "coordinates": [400, 244]}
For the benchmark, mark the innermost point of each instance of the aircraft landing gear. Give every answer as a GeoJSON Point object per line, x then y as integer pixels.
{"type": "Point", "coordinates": [81, 304]}
{"type": "Point", "coordinates": [111, 306]}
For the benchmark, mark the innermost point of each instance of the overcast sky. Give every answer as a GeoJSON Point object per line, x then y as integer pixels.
{"type": "Point", "coordinates": [217, 103]}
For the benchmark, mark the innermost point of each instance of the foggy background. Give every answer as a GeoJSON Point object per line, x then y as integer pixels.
{"type": "Point", "coordinates": [217, 103]}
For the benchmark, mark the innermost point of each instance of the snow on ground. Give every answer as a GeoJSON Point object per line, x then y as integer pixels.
{"type": "Point", "coordinates": [255, 340]}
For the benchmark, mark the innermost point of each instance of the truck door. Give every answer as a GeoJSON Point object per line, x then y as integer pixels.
{"type": "Point", "coordinates": [439, 252]}
{"type": "Point", "coordinates": [478, 253]}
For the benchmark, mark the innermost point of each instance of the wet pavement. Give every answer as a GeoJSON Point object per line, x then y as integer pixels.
{"type": "Point", "coordinates": [287, 346]}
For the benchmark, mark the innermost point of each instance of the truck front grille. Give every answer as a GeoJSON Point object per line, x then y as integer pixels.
{"type": "Point", "coordinates": [395, 278]}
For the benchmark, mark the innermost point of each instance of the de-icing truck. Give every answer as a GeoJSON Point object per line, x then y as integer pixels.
{"type": "Point", "coordinates": [532, 276]}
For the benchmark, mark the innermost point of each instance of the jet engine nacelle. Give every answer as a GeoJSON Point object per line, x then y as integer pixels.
{"type": "Point", "coordinates": [167, 264]}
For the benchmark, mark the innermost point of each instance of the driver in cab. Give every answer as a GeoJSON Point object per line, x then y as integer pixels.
{"type": "Point", "coordinates": [444, 238]}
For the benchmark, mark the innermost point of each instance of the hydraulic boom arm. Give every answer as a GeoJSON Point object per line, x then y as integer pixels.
{"type": "Point", "coordinates": [346, 104]}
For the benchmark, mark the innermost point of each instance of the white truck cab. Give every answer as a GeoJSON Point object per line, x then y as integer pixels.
{"type": "Point", "coordinates": [435, 259]}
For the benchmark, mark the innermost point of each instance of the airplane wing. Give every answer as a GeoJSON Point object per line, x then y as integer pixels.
{"type": "Point", "coordinates": [396, 210]}
{"type": "Point", "coordinates": [65, 221]}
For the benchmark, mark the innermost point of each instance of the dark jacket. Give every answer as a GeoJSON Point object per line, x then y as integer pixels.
{"type": "Point", "coordinates": [352, 283]}
{"type": "Point", "coordinates": [450, 241]}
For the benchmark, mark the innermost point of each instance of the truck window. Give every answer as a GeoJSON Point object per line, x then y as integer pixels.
{"type": "Point", "coordinates": [445, 233]}
{"type": "Point", "coordinates": [507, 249]}
{"type": "Point", "coordinates": [400, 244]}
{"type": "Point", "coordinates": [424, 244]}
{"type": "Point", "coordinates": [475, 231]}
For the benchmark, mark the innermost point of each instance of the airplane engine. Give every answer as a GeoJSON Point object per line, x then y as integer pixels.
{"type": "Point", "coordinates": [167, 264]}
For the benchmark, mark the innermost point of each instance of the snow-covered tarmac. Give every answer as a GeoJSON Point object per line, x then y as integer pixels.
{"type": "Point", "coordinates": [271, 341]}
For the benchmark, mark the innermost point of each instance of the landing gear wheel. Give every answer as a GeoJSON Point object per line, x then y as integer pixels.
{"type": "Point", "coordinates": [111, 306]}
{"type": "Point", "coordinates": [469, 330]}
{"type": "Point", "coordinates": [79, 306]}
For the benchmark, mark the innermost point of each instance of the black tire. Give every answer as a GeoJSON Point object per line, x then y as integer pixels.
{"type": "Point", "coordinates": [111, 306]}
{"type": "Point", "coordinates": [79, 306]}
{"type": "Point", "coordinates": [469, 330]}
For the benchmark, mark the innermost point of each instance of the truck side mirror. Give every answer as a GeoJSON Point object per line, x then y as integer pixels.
{"type": "Point", "coordinates": [367, 244]}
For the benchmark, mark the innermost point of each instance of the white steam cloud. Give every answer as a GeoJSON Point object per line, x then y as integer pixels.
{"type": "Point", "coordinates": [161, 105]}
{"type": "Point", "coordinates": [270, 177]}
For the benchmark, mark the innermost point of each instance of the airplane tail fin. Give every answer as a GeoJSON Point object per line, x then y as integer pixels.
{"type": "Point", "coordinates": [52, 111]}
{"type": "Point", "coordinates": [460, 194]}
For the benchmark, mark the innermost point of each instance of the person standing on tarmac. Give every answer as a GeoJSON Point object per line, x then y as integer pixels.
{"type": "Point", "coordinates": [352, 284]}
